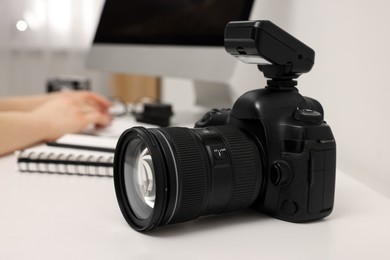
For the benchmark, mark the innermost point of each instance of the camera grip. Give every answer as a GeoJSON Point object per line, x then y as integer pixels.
{"type": "Point", "coordinates": [310, 194]}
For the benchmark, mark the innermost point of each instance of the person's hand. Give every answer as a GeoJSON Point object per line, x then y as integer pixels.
{"type": "Point", "coordinates": [72, 112]}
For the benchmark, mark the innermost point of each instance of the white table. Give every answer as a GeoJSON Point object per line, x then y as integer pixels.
{"type": "Point", "coordinates": [45, 216]}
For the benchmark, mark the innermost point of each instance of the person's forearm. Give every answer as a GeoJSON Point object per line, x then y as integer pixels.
{"type": "Point", "coordinates": [19, 130]}
{"type": "Point", "coordinates": [25, 103]}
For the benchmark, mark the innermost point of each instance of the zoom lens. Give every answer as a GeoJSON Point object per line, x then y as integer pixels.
{"type": "Point", "coordinates": [174, 174]}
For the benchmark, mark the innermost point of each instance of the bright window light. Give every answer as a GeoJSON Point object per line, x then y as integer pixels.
{"type": "Point", "coordinates": [21, 25]}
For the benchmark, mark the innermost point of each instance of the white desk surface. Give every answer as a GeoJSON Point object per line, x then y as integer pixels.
{"type": "Point", "coordinates": [45, 216]}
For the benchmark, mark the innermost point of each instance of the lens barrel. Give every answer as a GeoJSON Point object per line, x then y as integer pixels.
{"type": "Point", "coordinates": [175, 174]}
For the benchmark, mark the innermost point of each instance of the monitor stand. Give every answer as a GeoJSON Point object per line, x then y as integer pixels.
{"type": "Point", "coordinates": [207, 95]}
{"type": "Point", "coordinates": [212, 94]}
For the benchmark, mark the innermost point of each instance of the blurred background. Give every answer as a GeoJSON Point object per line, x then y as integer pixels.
{"type": "Point", "coordinates": [351, 38]}
{"type": "Point", "coordinates": [45, 38]}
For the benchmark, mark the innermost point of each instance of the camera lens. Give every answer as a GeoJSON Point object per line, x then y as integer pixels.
{"type": "Point", "coordinates": [170, 175]}
{"type": "Point", "coordinates": [140, 184]}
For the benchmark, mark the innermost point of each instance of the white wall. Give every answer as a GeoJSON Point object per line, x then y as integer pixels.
{"type": "Point", "coordinates": [351, 39]}
{"type": "Point", "coordinates": [56, 43]}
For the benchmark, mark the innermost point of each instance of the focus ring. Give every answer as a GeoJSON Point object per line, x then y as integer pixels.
{"type": "Point", "coordinates": [192, 174]}
{"type": "Point", "coordinates": [247, 168]}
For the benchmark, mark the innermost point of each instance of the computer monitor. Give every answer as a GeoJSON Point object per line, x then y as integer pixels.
{"type": "Point", "coordinates": [176, 38]}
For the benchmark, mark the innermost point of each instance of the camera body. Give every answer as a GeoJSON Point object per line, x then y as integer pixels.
{"type": "Point", "coordinates": [297, 147]}
{"type": "Point", "coordinates": [272, 151]}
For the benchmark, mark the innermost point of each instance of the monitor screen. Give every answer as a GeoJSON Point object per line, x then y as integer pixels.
{"type": "Point", "coordinates": [169, 38]}
{"type": "Point", "coordinates": [169, 22]}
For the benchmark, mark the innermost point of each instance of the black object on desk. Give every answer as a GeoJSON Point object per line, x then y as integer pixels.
{"type": "Point", "coordinates": [155, 113]}
{"type": "Point", "coordinates": [68, 82]}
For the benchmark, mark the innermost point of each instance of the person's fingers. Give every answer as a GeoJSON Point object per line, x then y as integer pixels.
{"type": "Point", "coordinates": [97, 118]}
{"type": "Point", "coordinates": [88, 107]}
{"type": "Point", "coordinates": [99, 100]}
{"type": "Point", "coordinates": [87, 97]}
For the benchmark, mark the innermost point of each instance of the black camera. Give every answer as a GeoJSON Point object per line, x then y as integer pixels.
{"type": "Point", "coordinates": [272, 151]}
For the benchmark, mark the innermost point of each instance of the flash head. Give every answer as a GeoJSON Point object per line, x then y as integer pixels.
{"type": "Point", "coordinates": [277, 53]}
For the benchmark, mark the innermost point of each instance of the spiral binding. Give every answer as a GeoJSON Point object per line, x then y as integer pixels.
{"type": "Point", "coordinates": [43, 162]}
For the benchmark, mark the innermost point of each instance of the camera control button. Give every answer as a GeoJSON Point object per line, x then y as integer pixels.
{"type": "Point", "coordinates": [280, 174]}
{"type": "Point", "coordinates": [289, 207]}
{"type": "Point", "coordinates": [308, 116]}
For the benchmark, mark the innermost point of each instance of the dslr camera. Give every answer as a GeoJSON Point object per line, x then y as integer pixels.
{"type": "Point", "coordinates": [272, 151]}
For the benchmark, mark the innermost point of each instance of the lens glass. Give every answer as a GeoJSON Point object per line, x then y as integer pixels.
{"type": "Point", "coordinates": [139, 179]}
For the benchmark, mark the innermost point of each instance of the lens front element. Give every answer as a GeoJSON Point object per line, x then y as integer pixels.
{"type": "Point", "coordinates": [139, 179]}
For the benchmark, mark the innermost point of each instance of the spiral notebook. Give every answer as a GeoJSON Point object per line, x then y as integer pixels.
{"type": "Point", "coordinates": [71, 154]}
